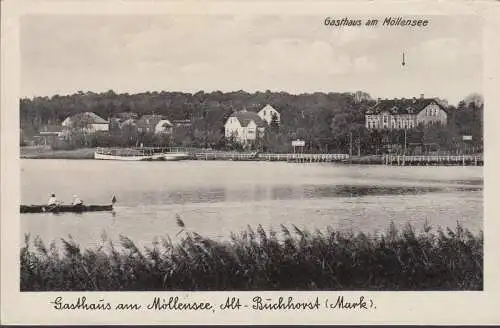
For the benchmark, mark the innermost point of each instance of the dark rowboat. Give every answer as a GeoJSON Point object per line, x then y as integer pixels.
{"type": "Point", "coordinates": [64, 208]}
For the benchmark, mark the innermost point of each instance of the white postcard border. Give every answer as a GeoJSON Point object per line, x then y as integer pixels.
{"type": "Point", "coordinates": [392, 307]}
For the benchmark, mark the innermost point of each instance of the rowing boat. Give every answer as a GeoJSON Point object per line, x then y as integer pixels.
{"type": "Point", "coordinates": [65, 208]}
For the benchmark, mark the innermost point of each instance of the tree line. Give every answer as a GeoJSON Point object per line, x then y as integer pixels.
{"type": "Point", "coordinates": [327, 122]}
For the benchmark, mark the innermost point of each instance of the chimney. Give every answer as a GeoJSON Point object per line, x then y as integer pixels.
{"type": "Point", "coordinates": [421, 96]}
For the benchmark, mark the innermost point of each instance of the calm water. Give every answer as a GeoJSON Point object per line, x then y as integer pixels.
{"type": "Point", "coordinates": [216, 198]}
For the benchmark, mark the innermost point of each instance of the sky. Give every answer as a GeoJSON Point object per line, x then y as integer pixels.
{"type": "Point", "coordinates": [63, 54]}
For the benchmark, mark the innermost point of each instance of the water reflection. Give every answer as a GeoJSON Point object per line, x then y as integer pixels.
{"type": "Point", "coordinates": [289, 192]}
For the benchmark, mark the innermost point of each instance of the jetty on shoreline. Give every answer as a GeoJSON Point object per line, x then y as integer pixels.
{"type": "Point", "coordinates": [457, 160]}
{"type": "Point", "coordinates": [219, 155]}
{"type": "Point", "coordinates": [391, 160]}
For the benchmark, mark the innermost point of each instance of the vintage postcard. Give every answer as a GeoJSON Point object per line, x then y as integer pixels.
{"type": "Point", "coordinates": [278, 162]}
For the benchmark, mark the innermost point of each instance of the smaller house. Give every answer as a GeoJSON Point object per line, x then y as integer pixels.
{"type": "Point", "coordinates": [268, 113]}
{"type": "Point", "coordinates": [118, 120]}
{"type": "Point", "coordinates": [87, 122]}
{"type": "Point", "coordinates": [245, 126]}
{"type": "Point", "coordinates": [50, 135]}
{"type": "Point", "coordinates": [156, 124]}
{"type": "Point", "coordinates": [163, 127]}
{"type": "Point", "coordinates": [128, 123]}
{"type": "Point", "coordinates": [48, 138]}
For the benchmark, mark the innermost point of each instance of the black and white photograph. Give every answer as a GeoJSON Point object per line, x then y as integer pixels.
{"type": "Point", "coordinates": [246, 152]}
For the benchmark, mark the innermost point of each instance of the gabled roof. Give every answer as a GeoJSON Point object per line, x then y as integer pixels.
{"type": "Point", "coordinates": [164, 123]}
{"type": "Point", "coordinates": [403, 106]}
{"type": "Point", "coordinates": [89, 117]}
{"type": "Point", "coordinates": [245, 117]}
{"type": "Point", "coordinates": [268, 107]}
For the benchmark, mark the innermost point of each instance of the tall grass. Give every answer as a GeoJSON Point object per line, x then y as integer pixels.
{"type": "Point", "coordinates": [292, 259]}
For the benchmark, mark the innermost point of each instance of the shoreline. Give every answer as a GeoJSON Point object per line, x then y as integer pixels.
{"type": "Point", "coordinates": [88, 153]}
{"type": "Point", "coordinates": [47, 153]}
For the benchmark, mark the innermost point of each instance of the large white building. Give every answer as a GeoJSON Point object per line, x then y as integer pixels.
{"type": "Point", "coordinates": [268, 113]}
{"type": "Point", "coordinates": [87, 122]}
{"type": "Point", "coordinates": [244, 126]}
{"type": "Point", "coordinates": [393, 114]}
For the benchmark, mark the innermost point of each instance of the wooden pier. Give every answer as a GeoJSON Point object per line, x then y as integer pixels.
{"type": "Point", "coordinates": [224, 156]}
{"type": "Point", "coordinates": [293, 158]}
{"type": "Point", "coordinates": [391, 160]}
{"type": "Point", "coordinates": [447, 160]}
{"type": "Point", "coordinates": [303, 158]}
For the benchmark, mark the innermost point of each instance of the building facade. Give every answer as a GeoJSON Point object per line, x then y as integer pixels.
{"type": "Point", "coordinates": [396, 114]}
{"type": "Point", "coordinates": [244, 126]}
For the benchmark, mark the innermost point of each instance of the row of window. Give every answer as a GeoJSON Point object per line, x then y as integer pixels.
{"type": "Point", "coordinates": [397, 124]}
{"type": "Point", "coordinates": [249, 131]}
{"type": "Point", "coordinates": [433, 111]}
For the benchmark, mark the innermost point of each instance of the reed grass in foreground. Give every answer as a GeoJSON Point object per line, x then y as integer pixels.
{"type": "Point", "coordinates": [260, 260]}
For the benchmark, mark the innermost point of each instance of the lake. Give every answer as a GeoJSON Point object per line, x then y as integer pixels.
{"type": "Point", "coordinates": [217, 198]}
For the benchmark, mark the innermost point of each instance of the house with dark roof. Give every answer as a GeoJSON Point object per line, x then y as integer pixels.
{"type": "Point", "coordinates": [87, 122]}
{"type": "Point", "coordinates": [394, 114]}
{"type": "Point", "coordinates": [244, 126]}
{"type": "Point", "coordinates": [119, 120]}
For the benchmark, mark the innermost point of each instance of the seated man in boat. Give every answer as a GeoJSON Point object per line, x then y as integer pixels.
{"type": "Point", "coordinates": [77, 201]}
{"type": "Point", "coordinates": [52, 201]}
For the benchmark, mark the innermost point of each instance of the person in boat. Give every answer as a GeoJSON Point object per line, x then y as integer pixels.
{"type": "Point", "coordinates": [77, 201]}
{"type": "Point", "coordinates": [53, 202]}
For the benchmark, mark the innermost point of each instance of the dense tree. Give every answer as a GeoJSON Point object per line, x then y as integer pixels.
{"type": "Point", "coordinates": [327, 122]}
